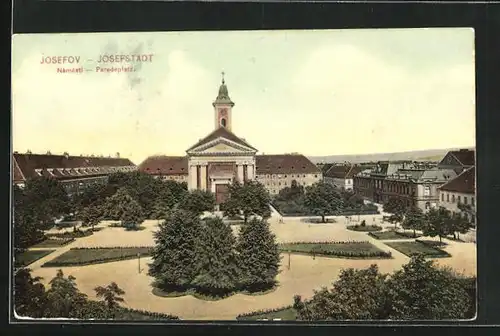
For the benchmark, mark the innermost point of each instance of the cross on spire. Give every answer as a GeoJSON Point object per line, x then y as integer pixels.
{"type": "Point", "coordinates": [222, 77]}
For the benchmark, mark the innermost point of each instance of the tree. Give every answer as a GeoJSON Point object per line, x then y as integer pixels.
{"type": "Point", "coordinates": [217, 271]}
{"type": "Point", "coordinates": [30, 297]}
{"type": "Point", "coordinates": [323, 199]}
{"type": "Point", "coordinates": [64, 298]}
{"type": "Point", "coordinates": [111, 295]}
{"type": "Point", "coordinates": [414, 219]}
{"type": "Point", "coordinates": [258, 256]}
{"type": "Point", "coordinates": [437, 223]}
{"type": "Point", "coordinates": [357, 294]}
{"type": "Point", "coordinates": [163, 205]}
{"type": "Point", "coordinates": [175, 251]}
{"type": "Point", "coordinates": [460, 224]}
{"type": "Point", "coordinates": [198, 201]}
{"type": "Point", "coordinates": [46, 199]}
{"type": "Point", "coordinates": [421, 291]}
{"type": "Point", "coordinates": [119, 205]}
{"type": "Point", "coordinates": [133, 216]}
{"type": "Point", "coordinates": [249, 199]}
{"type": "Point", "coordinates": [91, 215]}
{"type": "Point", "coordinates": [397, 208]}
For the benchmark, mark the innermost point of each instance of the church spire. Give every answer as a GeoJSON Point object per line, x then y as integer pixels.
{"type": "Point", "coordinates": [223, 96]}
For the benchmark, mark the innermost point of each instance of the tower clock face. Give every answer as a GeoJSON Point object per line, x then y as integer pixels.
{"type": "Point", "coordinates": [223, 112]}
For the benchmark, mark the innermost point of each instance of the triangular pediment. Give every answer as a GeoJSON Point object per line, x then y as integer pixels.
{"type": "Point", "coordinates": [221, 146]}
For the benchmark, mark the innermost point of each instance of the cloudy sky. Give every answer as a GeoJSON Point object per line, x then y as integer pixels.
{"type": "Point", "coordinates": [322, 92]}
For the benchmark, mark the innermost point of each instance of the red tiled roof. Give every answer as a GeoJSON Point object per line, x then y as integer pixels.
{"type": "Point", "coordinates": [27, 164]}
{"type": "Point", "coordinates": [465, 156]}
{"type": "Point", "coordinates": [224, 133]}
{"type": "Point", "coordinates": [463, 183]}
{"type": "Point", "coordinates": [343, 171]}
{"type": "Point", "coordinates": [285, 164]}
{"type": "Point", "coordinates": [165, 165]}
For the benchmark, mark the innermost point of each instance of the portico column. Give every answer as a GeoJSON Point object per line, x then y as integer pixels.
{"type": "Point", "coordinates": [193, 177]}
{"type": "Point", "coordinates": [250, 172]}
{"type": "Point", "coordinates": [240, 173]}
{"type": "Point", "coordinates": [203, 177]}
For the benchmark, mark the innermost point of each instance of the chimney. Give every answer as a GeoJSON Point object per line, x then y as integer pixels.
{"type": "Point", "coordinates": [48, 153]}
{"type": "Point", "coordinates": [66, 155]}
{"type": "Point", "coordinates": [118, 154]}
{"type": "Point", "coordinates": [28, 152]}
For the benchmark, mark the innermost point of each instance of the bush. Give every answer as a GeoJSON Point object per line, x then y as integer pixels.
{"type": "Point", "coordinates": [361, 228]}
{"type": "Point", "coordinates": [96, 255]}
{"type": "Point", "coordinates": [363, 223]}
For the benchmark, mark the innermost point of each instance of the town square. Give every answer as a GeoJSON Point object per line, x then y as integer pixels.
{"type": "Point", "coordinates": [251, 191]}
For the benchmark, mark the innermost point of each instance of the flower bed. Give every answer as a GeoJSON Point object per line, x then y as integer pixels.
{"type": "Point", "coordinates": [53, 243]}
{"type": "Point", "coordinates": [417, 247]}
{"type": "Point", "coordinates": [284, 313]}
{"type": "Point", "coordinates": [73, 234]}
{"type": "Point", "coordinates": [97, 255]}
{"type": "Point", "coordinates": [28, 257]}
{"type": "Point", "coordinates": [392, 235]}
{"type": "Point", "coordinates": [365, 228]}
{"type": "Point", "coordinates": [354, 249]}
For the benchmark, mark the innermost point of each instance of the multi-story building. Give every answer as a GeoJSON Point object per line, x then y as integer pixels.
{"type": "Point", "coordinates": [166, 167]}
{"type": "Point", "coordinates": [74, 172]}
{"type": "Point", "coordinates": [342, 176]}
{"type": "Point", "coordinates": [460, 190]}
{"type": "Point", "coordinates": [458, 160]}
{"type": "Point", "coordinates": [277, 172]}
{"type": "Point", "coordinates": [416, 183]}
{"type": "Point", "coordinates": [222, 157]}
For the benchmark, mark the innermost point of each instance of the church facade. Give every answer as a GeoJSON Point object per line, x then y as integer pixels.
{"type": "Point", "coordinates": [221, 158]}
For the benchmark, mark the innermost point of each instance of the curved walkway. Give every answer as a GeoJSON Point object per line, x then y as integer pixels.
{"type": "Point", "coordinates": [305, 274]}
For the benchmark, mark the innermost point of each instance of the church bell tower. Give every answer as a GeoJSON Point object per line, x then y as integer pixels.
{"type": "Point", "coordinates": [223, 107]}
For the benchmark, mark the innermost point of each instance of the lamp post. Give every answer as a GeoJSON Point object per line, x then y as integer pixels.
{"type": "Point", "coordinates": [289, 252]}
{"type": "Point", "coordinates": [139, 261]}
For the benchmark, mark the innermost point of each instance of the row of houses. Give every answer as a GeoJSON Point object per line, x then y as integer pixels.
{"type": "Point", "coordinates": [275, 172]}
{"type": "Point", "coordinates": [424, 184]}
{"type": "Point", "coordinates": [74, 172]}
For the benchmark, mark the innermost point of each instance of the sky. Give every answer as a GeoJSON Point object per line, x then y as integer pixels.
{"type": "Point", "coordinates": [315, 92]}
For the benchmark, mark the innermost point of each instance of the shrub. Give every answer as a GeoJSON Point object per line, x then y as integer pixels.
{"type": "Point", "coordinates": [363, 223]}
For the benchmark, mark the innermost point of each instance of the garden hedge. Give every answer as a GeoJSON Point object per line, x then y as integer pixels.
{"type": "Point", "coordinates": [263, 311]}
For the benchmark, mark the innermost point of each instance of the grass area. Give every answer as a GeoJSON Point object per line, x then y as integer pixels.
{"type": "Point", "coordinates": [418, 247]}
{"type": "Point", "coordinates": [89, 256]}
{"type": "Point", "coordinates": [366, 228]}
{"type": "Point", "coordinates": [392, 235]}
{"type": "Point", "coordinates": [285, 314]}
{"type": "Point", "coordinates": [336, 249]}
{"type": "Point", "coordinates": [28, 257]}
{"type": "Point", "coordinates": [53, 243]}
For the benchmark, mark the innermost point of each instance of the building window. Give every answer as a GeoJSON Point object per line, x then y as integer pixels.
{"type": "Point", "coordinates": [447, 197]}
{"type": "Point", "coordinates": [442, 197]}
{"type": "Point", "coordinates": [285, 176]}
{"type": "Point", "coordinates": [427, 190]}
{"type": "Point", "coordinates": [452, 198]}
{"type": "Point", "coordinates": [315, 176]}
{"type": "Point", "coordinates": [459, 199]}
{"type": "Point", "coordinates": [303, 176]}
{"type": "Point", "coordinates": [472, 201]}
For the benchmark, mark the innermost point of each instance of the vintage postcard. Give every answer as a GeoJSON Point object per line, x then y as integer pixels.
{"type": "Point", "coordinates": [244, 175]}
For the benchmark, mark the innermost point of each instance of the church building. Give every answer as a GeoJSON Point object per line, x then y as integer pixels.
{"type": "Point", "coordinates": [221, 158]}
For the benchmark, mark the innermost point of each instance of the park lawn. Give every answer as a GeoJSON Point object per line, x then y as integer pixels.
{"type": "Point", "coordinates": [28, 257]}
{"type": "Point", "coordinates": [53, 243]}
{"type": "Point", "coordinates": [285, 314]}
{"type": "Point", "coordinates": [416, 247]}
{"type": "Point", "coordinates": [89, 256]}
{"type": "Point", "coordinates": [340, 249]}
{"type": "Point", "coordinates": [392, 235]}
